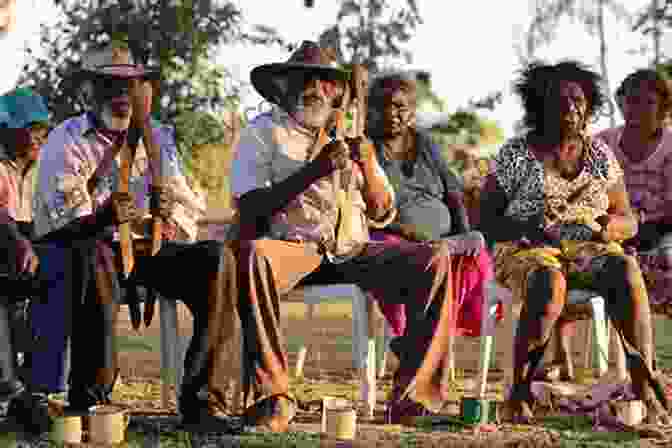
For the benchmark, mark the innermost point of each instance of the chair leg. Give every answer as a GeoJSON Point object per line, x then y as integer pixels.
{"type": "Point", "coordinates": [621, 370]}
{"type": "Point", "coordinates": [368, 371]}
{"type": "Point", "coordinates": [303, 351]}
{"type": "Point", "coordinates": [487, 340]}
{"type": "Point", "coordinates": [387, 336]}
{"type": "Point", "coordinates": [169, 337]}
{"type": "Point", "coordinates": [587, 356]}
{"type": "Point", "coordinates": [600, 346]}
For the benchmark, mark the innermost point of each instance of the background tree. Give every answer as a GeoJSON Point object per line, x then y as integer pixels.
{"type": "Point", "coordinates": [546, 18]}
{"type": "Point", "coordinates": [651, 21]}
{"type": "Point", "coordinates": [372, 31]}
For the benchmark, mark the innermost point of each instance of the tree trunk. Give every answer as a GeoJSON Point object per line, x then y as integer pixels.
{"type": "Point", "coordinates": [655, 18]}
{"type": "Point", "coordinates": [603, 60]}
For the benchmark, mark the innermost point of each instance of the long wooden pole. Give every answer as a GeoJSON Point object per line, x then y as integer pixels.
{"type": "Point", "coordinates": [128, 260]}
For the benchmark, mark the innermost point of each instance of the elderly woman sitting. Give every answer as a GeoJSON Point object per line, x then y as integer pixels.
{"type": "Point", "coordinates": [644, 148]}
{"type": "Point", "coordinates": [428, 194]}
{"type": "Point", "coordinates": [556, 206]}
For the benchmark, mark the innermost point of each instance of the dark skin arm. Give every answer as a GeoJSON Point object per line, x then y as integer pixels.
{"type": "Point", "coordinates": [454, 200]}
{"type": "Point", "coordinates": [620, 221]}
{"type": "Point", "coordinates": [495, 226]}
{"type": "Point", "coordinates": [257, 206]}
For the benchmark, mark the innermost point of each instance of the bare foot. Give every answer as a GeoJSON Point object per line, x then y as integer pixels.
{"type": "Point", "coordinates": [517, 412]}
{"type": "Point", "coordinates": [656, 414]}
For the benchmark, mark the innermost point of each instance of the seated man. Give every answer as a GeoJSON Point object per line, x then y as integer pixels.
{"type": "Point", "coordinates": [292, 229]}
{"type": "Point", "coordinates": [24, 129]}
{"type": "Point", "coordinates": [77, 202]}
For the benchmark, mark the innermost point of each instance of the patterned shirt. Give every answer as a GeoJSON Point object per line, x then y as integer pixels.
{"type": "Point", "coordinates": [648, 182]}
{"type": "Point", "coordinates": [272, 148]}
{"type": "Point", "coordinates": [16, 190]}
{"type": "Point", "coordinates": [533, 192]}
{"type": "Point", "coordinates": [73, 152]}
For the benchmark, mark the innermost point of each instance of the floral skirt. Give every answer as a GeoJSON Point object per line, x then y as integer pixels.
{"type": "Point", "coordinates": [578, 260]}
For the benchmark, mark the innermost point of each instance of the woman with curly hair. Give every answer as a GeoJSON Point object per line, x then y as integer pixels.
{"type": "Point", "coordinates": [555, 207]}
{"type": "Point", "coordinates": [643, 146]}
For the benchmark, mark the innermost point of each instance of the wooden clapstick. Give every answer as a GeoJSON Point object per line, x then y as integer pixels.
{"type": "Point", "coordinates": [157, 231]}
{"type": "Point", "coordinates": [343, 197]}
{"type": "Point", "coordinates": [125, 241]}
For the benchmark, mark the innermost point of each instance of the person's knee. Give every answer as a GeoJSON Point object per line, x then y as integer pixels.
{"type": "Point", "coordinates": [621, 267]}
{"type": "Point", "coordinates": [545, 288]}
{"type": "Point", "coordinates": [222, 252]}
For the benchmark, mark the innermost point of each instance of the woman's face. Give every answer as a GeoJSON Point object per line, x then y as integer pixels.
{"type": "Point", "coordinates": [573, 107]}
{"type": "Point", "coordinates": [397, 112]}
{"type": "Point", "coordinates": [642, 107]}
{"type": "Point", "coordinates": [29, 141]}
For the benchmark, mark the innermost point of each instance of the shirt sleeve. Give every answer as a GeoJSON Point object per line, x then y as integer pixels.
{"type": "Point", "coordinates": [251, 165]}
{"type": "Point", "coordinates": [7, 212]}
{"type": "Point", "coordinates": [62, 195]}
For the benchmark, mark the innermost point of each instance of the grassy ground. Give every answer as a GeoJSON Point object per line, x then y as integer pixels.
{"type": "Point", "coordinates": [566, 432]}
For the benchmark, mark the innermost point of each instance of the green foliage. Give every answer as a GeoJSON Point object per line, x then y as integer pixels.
{"type": "Point", "coordinates": [178, 36]}
{"type": "Point", "coordinates": [376, 31]}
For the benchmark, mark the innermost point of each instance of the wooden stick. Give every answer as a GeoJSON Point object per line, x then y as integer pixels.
{"type": "Point", "coordinates": [125, 242]}
{"type": "Point", "coordinates": [157, 221]}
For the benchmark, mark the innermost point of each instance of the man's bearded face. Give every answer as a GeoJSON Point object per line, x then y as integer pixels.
{"type": "Point", "coordinates": [315, 101]}
{"type": "Point", "coordinates": [112, 96]}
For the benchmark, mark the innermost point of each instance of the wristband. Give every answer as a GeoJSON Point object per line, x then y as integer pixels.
{"type": "Point", "coordinates": [154, 199]}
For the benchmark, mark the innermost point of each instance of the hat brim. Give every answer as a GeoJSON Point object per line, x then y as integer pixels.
{"type": "Point", "coordinates": [116, 72]}
{"type": "Point", "coordinates": [271, 81]}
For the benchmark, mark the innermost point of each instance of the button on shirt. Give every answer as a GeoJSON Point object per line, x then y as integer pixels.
{"type": "Point", "coordinates": [73, 152]}
{"type": "Point", "coordinates": [272, 148]}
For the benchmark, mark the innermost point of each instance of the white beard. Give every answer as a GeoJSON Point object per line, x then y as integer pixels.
{"type": "Point", "coordinates": [112, 122]}
{"type": "Point", "coordinates": [314, 116]}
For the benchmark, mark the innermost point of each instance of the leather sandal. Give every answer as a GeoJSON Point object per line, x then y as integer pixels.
{"type": "Point", "coordinates": [273, 413]}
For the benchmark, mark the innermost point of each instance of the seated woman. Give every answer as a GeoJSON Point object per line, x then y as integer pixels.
{"type": "Point", "coordinates": [555, 206]}
{"type": "Point", "coordinates": [644, 148]}
{"type": "Point", "coordinates": [428, 198]}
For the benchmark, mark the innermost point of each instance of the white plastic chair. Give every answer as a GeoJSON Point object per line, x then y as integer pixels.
{"type": "Point", "coordinates": [600, 334]}
{"type": "Point", "coordinates": [363, 341]}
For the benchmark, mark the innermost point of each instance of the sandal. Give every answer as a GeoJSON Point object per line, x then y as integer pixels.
{"type": "Point", "coordinates": [553, 372]}
{"type": "Point", "coordinates": [405, 411]}
{"type": "Point", "coordinates": [518, 407]}
{"type": "Point", "coordinates": [273, 413]}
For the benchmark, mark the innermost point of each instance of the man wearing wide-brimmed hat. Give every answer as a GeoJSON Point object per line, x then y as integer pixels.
{"type": "Point", "coordinates": [77, 202]}
{"type": "Point", "coordinates": [294, 228]}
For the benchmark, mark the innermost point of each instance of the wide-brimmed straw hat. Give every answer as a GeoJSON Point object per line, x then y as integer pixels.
{"type": "Point", "coordinates": [113, 61]}
{"type": "Point", "coordinates": [272, 80]}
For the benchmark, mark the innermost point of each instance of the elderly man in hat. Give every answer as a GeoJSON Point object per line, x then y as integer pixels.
{"type": "Point", "coordinates": [77, 203]}
{"type": "Point", "coordinates": [291, 230]}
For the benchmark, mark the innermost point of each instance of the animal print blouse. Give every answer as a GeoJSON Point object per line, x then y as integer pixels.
{"type": "Point", "coordinates": [531, 191]}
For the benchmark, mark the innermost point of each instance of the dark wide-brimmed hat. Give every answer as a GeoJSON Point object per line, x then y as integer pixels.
{"type": "Point", "coordinates": [113, 61]}
{"type": "Point", "coordinates": [272, 80]}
